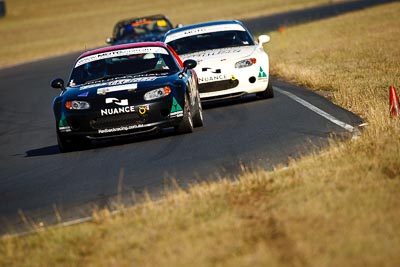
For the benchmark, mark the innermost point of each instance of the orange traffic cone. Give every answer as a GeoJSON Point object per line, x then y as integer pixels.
{"type": "Point", "coordinates": [281, 29]}
{"type": "Point", "coordinates": [394, 102]}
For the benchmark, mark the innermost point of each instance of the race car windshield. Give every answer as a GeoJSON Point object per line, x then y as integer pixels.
{"type": "Point", "coordinates": [211, 40]}
{"type": "Point", "coordinates": [91, 70]}
{"type": "Point", "coordinates": [141, 29]}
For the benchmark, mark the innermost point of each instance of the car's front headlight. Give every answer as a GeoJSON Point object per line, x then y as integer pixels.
{"type": "Point", "coordinates": [77, 105]}
{"type": "Point", "coordinates": [157, 93]}
{"type": "Point", "coordinates": [245, 63]}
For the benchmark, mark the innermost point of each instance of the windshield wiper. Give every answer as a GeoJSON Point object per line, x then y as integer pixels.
{"type": "Point", "coordinates": [109, 77]}
{"type": "Point", "coordinates": [153, 71]}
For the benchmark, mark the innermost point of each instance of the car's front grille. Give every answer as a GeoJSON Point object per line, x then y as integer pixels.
{"type": "Point", "coordinates": [217, 86]}
{"type": "Point", "coordinates": [117, 121]}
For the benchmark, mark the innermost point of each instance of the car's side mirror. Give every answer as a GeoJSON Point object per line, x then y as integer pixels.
{"type": "Point", "coordinates": [262, 39]}
{"type": "Point", "coordinates": [58, 83]}
{"type": "Point", "coordinates": [189, 64]}
{"type": "Point", "coordinates": [110, 40]}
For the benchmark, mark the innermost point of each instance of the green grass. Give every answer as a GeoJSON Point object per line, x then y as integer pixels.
{"type": "Point", "coordinates": [336, 208]}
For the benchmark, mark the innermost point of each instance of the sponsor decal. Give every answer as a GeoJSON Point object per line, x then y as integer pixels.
{"type": "Point", "coordinates": [143, 109]}
{"type": "Point", "coordinates": [63, 125]}
{"type": "Point", "coordinates": [65, 129]}
{"type": "Point", "coordinates": [175, 106]}
{"type": "Point", "coordinates": [201, 30]}
{"type": "Point", "coordinates": [126, 87]}
{"type": "Point", "coordinates": [214, 78]}
{"type": "Point", "coordinates": [141, 22]}
{"type": "Point", "coordinates": [120, 129]}
{"type": "Point", "coordinates": [176, 114]}
{"type": "Point", "coordinates": [262, 74]}
{"type": "Point", "coordinates": [116, 111]}
{"type": "Point", "coordinates": [209, 53]}
{"type": "Point", "coordinates": [122, 52]}
{"type": "Point", "coordinates": [120, 82]}
{"type": "Point", "coordinates": [85, 94]}
{"type": "Point", "coordinates": [211, 70]}
{"type": "Point", "coordinates": [91, 86]}
{"type": "Point", "coordinates": [176, 109]}
{"type": "Point", "coordinates": [63, 121]}
{"type": "Point", "coordinates": [133, 80]}
{"type": "Point", "coordinates": [123, 102]}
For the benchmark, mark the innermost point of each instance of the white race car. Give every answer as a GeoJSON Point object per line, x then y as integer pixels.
{"type": "Point", "coordinates": [229, 62]}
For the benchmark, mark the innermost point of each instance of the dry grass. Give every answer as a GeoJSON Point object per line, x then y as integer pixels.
{"type": "Point", "coordinates": [357, 62]}
{"type": "Point", "coordinates": [338, 208]}
{"type": "Point", "coordinates": [34, 30]}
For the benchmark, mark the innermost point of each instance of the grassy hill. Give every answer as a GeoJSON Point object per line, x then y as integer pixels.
{"type": "Point", "coordinates": [37, 29]}
{"type": "Point", "coordinates": [337, 208]}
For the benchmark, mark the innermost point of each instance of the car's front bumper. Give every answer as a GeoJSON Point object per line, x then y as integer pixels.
{"type": "Point", "coordinates": [147, 117]}
{"type": "Point", "coordinates": [233, 82]}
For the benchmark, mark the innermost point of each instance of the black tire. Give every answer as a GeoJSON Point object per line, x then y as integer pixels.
{"type": "Point", "coordinates": [63, 144]}
{"type": "Point", "coordinates": [186, 125]}
{"type": "Point", "coordinates": [198, 116]}
{"type": "Point", "coordinates": [2, 8]}
{"type": "Point", "coordinates": [68, 145]}
{"type": "Point", "coordinates": [267, 93]}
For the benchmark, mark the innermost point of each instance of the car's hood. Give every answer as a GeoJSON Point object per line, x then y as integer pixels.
{"type": "Point", "coordinates": [134, 83]}
{"type": "Point", "coordinates": [223, 54]}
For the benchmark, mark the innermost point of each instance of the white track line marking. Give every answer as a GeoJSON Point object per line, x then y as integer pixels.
{"type": "Point", "coordinates": [320, 112]}
{"type": "Point", "coordinates": [62, 224]}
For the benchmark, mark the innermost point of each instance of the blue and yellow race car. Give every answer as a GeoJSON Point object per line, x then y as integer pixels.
{"type": "Point", "coordinates": [143, 29]}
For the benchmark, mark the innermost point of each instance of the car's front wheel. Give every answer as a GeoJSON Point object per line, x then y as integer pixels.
{"type": "Point", "coordinates": [68, 145]}
{"type": "Point", "coordinates": [198, 117]}
{"type": "Point", "coordinates": [267, 93]}
{"type": "Point", "coordinates": [186, 125]}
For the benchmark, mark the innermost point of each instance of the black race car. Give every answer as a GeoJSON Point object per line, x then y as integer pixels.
{"type": "Point", "coordinates": [143, 29]}
{"type": "Point", "coordinates": [126, 90]}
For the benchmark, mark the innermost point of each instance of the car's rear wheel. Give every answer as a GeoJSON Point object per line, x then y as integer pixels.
{"type": "Point", "coordinates": [267, 93]}
{"type": "Point", "coordinates": [186, 125]}
{"type": "Point", "coordinates": [198, 117]}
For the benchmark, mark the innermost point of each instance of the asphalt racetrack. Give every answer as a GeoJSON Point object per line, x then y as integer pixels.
{"type": "Point", "coordinates": [37, 182]}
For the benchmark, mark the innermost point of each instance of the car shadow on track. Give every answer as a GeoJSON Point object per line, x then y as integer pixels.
{"type": "Point", "coordinates": [117, 141]}
{"type": "Point", "coordinates": [43, 151]}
